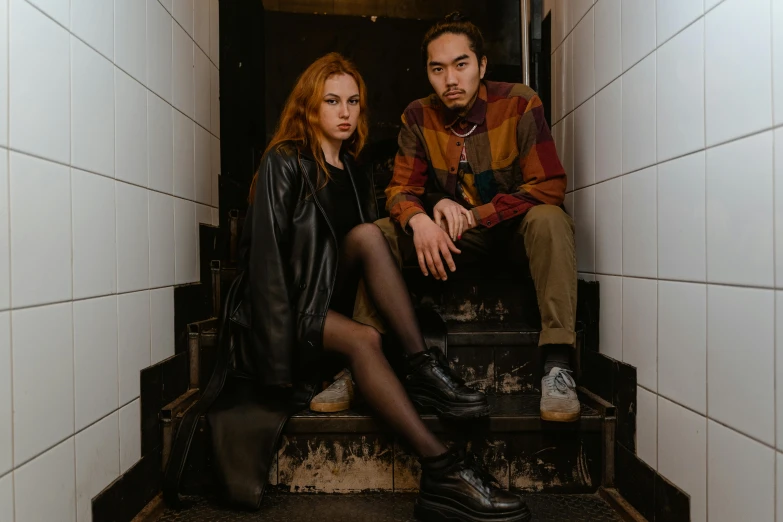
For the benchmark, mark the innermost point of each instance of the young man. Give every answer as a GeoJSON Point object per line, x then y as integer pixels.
{"type": "Point", "coordinates": [481, 156]}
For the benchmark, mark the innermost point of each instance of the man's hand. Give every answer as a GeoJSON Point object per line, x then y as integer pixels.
{"type": "Point", "coordinates": [431, 244]}
{"type": "Point", "coordinates": [457, 218]}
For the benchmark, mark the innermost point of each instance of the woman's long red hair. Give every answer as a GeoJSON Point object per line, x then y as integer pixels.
{"type": "Point", "coordinates": [299, 120]}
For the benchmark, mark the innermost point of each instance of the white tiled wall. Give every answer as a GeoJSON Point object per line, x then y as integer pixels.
{"type": "Point", "coordinates": [677, 191]}
{"type": "Point", "coordinates": [109, 158]}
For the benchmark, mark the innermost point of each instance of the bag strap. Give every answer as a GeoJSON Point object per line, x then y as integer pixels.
{"type": "Point", "coordinates": [184, 437]}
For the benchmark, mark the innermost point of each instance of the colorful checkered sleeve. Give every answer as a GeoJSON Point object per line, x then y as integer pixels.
{"type": "Point", "coordinates": [407, 186]}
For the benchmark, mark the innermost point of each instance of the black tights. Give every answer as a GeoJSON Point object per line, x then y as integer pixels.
{"type": "Point", "coordinates": [366, 253]}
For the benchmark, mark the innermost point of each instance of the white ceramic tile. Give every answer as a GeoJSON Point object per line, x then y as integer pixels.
{"type": "Point", "coordinates": [742, 476]}
{"type": "Point", "coordinates": [130, 37]}
{"type": "Point", "coordinates": [579, 8]}
{"type": "Point", "coordinates": [680, 93]}
{"type": "Point", "coordinates": [558, 58]}
{"type": "Point", "coordinates": [682, 215]}
{"type": "Point", "coordinates": [639, 147]}
{"type": "Point", "coordinates": [4, 73]}
{"type": "Point", "coordinates": [133, 248]}
{"type": "Point", "coordinates": [560, 13]}
{"type": "Point", "coordinates": [554, 93]}
{"type": "Point", "coordinates": [203, 214]}
{"type": "Point", "coordinates": [160, 135]}
{"type": "Point", "coordinates": [161, 223]}
{"type": "Point", "coordinates": [39, 83]}
{"type": "Point", "coordinates": [133, 311]}
{"type": "Point", "coordinates": [57, 9]}
{"type": "Point", "coordinates": [7, 497]}
{"type": "Point", "coordinates": [203, 166]}
{"type": "Point", "coordinates": [586, 277]}
{"type": "Point", "coordinates": [777, 62]}
{"type": "Point", "coordinates": [42, 351]}
{"type": "Point", "coordinates": [215, 217]}
{"type": "Point", "coordinates": [779, 368]}
{"type": "Point", "coordinates": [779, 495]}
{"type": "Point", "coordinates": [709, 4]}
{"type": "Point", "coordinates": [568, 203]}
{"type": "Point", "coordinates": [565, 148]}
{"type": "Point", "coordinates": [182, 72]}
{"type": "Point", "coordinates": [92, 106]}
{"type": "Point", "coordinates": [741, 317]}
{"type": "Point", "coordinates": [130, 435]}
{"type": "Point", "coordinates": [609, 227]}
{"type": "Point", "coordinates": [214, 89]}
{"type": "Point", "coordinates": [778, 182]}
{"type": "Point", "coordinates": [674, 15]}
{"type": "Point", "coordinates": [584, 59]}
{"type": "Point", "coordinates": [167, 5]}
{"type": "Point", "coordinates": [682, 343]}
{"type": "Point", "coordinates": [740, 222]}
{"type": "Point", "coordinates": [584, 144]}
{"type": "Point", "coordinates": [93, 22]}
{"type": "Point", "coordinates": [159, 40]}
{"type": "Point", "coordinates": [201, 78]}
{"type": "Point", "coordinates": [611, 318]}
{"type": "Point", "coordinates": [638, 30]}
{"type": "Point", "coordinates": [609, 131]}
{"type": "Point", "coordinates": [183, 14]}
{"type": "Point", "coordinates": [97, 462]}
{"type": "Point", "coordinates": [131, 135]}
{"type": "Point", "coordinates": [214, 32]}
{"type": "Point", "coordinates": [94, 235]}
{"type": "Point", "coordinates": [608, 47]}
{"type": "Point", "coordinates": [184, 156]}
{"type": "Point", "coordinates": [682, 453]}
{"type": "Point", "coordinates": [5, 252]}
{"type": "Point", "coordinates": [567, 73]}
{"type": "Point", "coordinates": [584, 201]}
{"type": "Point", "coordinates": [40, 215]}
{"type": "Point", "coordinates": [214, 158]}
{"type": "Point", "coordinates": [6, 405]}
{"type": "Point", "coordinates": [52, 473]}
{"type": "Point", "coordinates": [201, 24]}
{"type": "Point", "coordinates": [640, 249]}
{"type": "Point", "coordinates": [185, 254]}
{"type": "Point", "coordinates": [95, 359]}
{"type": "Point", "coordinates": [162, 323]}
{"type": "Point", "coordinates": [640, 314]}
{"type": "Point", "coordinates": [738, 65]}
{"type": "Point", "coordinates": [647, 427]}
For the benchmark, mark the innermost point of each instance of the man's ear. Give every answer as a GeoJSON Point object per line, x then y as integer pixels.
{"type": "Point", "coordinates": [482, 67]}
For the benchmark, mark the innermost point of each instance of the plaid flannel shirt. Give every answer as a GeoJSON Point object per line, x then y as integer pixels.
{"type": "Point", "coordinates": [511, 153]}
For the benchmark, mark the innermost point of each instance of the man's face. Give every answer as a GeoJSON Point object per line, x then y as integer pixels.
{"type": "Point", "coordinates": [454, 71]}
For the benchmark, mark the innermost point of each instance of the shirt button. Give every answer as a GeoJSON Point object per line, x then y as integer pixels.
{"type": "Point", "coordinates": [452, 169]}
{"type": "Point", "coordinates": [489, 222]}
{"type": "Point", "coordinates": [458, 144]}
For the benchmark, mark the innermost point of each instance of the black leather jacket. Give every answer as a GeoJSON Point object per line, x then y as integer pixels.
{"type": "Point", "coordinates": [290, 253]}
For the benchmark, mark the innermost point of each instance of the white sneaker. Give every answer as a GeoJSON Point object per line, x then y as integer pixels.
{"type": "Point", "coordinates": [337, 397]}
{"type": "Point", "coordinates": [559, 402]}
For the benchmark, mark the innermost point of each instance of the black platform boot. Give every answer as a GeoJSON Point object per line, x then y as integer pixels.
{"type": "Point", "coordinates": [456, 488]}
{"type": "Point", "coordinates": [433, 385]}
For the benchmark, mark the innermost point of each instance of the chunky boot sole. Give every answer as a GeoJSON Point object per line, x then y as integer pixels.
{"type": "Point", "coordinates": [449, 410]}
{"type": "Point", "coordinates": [431, 511]}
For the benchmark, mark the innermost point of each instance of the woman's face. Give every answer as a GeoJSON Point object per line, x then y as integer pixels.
{"type": "Point", "coordinates": [339, 112]}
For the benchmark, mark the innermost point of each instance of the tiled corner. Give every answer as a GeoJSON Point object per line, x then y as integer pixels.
{"type": "Point", "coordinates": [203, 214]}
{"type": "Point", "coordinates": [6, 403]}
{"type": "Point", "coordinates": [584, 219]}
{"type": "Point", "coordinates": [96, 380]}
{"type": "Point", "coordinates": [608, 47]}
{"type": "Point", "coordinates": [682, 215]}
{"type": "Point", "coordinates": [94, 235]}
{"type": "Point", "coordinates": [160, 136]}
{"type": "Point", "coordinates": [93, 22]}
{"type": "Point", "coordinates": [4, 73]}
{"type": "Point", "coordinates": [130, 435]}
{"type": "Point", "coordinates": [97, 462]}
{"type": "Point", "coordinates": [162, 323]}
{"type": "Point", "coordinates": [92, 110]}
{"type": "Point", "coordinates": [131, 130]}
{"type": "Point", "coordinates": [610, 322]}
{"type": "Point", "coordinates": [609, 131]}
{"type": "Point", "coordinates": [182, 72]}
{"type": "Point", "coordinates": [779, 368]}
{"type": "Point", "coordinates": [638, 144]}
{"type": "Point", "coordinates": [740, 222]}
{"type": "Point", "coordinates": [680, 94]}
{"type": "Point", "coordinates": [159, 43]}
{"type": "Point", "coordinates": [565, 148]}
{"type": "Point", "coordinates": [202, 84]}
{"type": "Point", "coordinates": [203, 166]}
{"type": "Point", "coordinates": [584, 59]}
{"type": "Point", "coordinates": [609, 227]}
{"type": "Point", "coordinates": [638, 30]}
{"type": "Point", "coordinates": [741, 317]}
{"type": "Point", "coordinates": [647, 427]}
{"type": "Point", "coordinates": [161, 230]}
{"type": "Point", "coordinates": [130, 37]}
{"type": "Point", "coordinates": [640, 319]}
{"type": "Point", "coordinates": [133, 248]}
{"type": "Point", "coordinates": [42, 351]}
{"type": "Point", "coordinates": [185, 254]}
{"type": "Point", "coordinates": [54, 472]}
{"type": "Point", "coordinates": [5, 240]}
{"type": "Point", "coordinates": [584, 144]}
{"type": "Point", "coordinates": [682, 453]}
{"type": "Point", "coordinates": [133, 311]}
{"type": "Point", "coordinates": [184, 167]}
{"type": "Point", "coordinates": [640, 245]}
{"type": "Point", "coordinates": [778, 183]}
{"type": "Point", "coordinates": [674, 15]}
{"type": "Point", "coordinates": [738, 65]}
{"type": "Point", "coordinates": [741, 483]}
{"type": "Point", "coordinates": [682, 343]}
{"type": "Point", "coordinates": [214, 32]}
{"type": "Point", "coordinates": [40, 215]}
{"type": "Point", "coordinates": [39, 82]}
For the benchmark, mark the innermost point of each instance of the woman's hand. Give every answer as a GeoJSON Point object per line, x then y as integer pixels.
{"type": "Point", "coordinates": [457, 218]}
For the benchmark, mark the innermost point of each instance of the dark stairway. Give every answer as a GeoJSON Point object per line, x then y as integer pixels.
{"type": "Point", "coordinates": [361, 471]}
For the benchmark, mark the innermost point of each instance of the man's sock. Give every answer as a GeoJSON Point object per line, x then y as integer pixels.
{"type": "Point", "coordinates": [557, 356]}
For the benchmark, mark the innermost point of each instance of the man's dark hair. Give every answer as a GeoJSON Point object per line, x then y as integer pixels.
{"type": "Point", "coordinates": [454, 23]}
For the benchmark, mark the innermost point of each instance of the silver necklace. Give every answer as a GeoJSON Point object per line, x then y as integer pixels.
{"type": "Point", "coordinates": [466, 134]}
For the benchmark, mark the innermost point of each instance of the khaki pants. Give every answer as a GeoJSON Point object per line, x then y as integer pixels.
{"type": "Point", "coordinates": [543, 238]}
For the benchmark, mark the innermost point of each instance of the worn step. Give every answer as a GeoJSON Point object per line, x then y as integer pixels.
{"type": "Point", "coordinates": [282, 507]}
